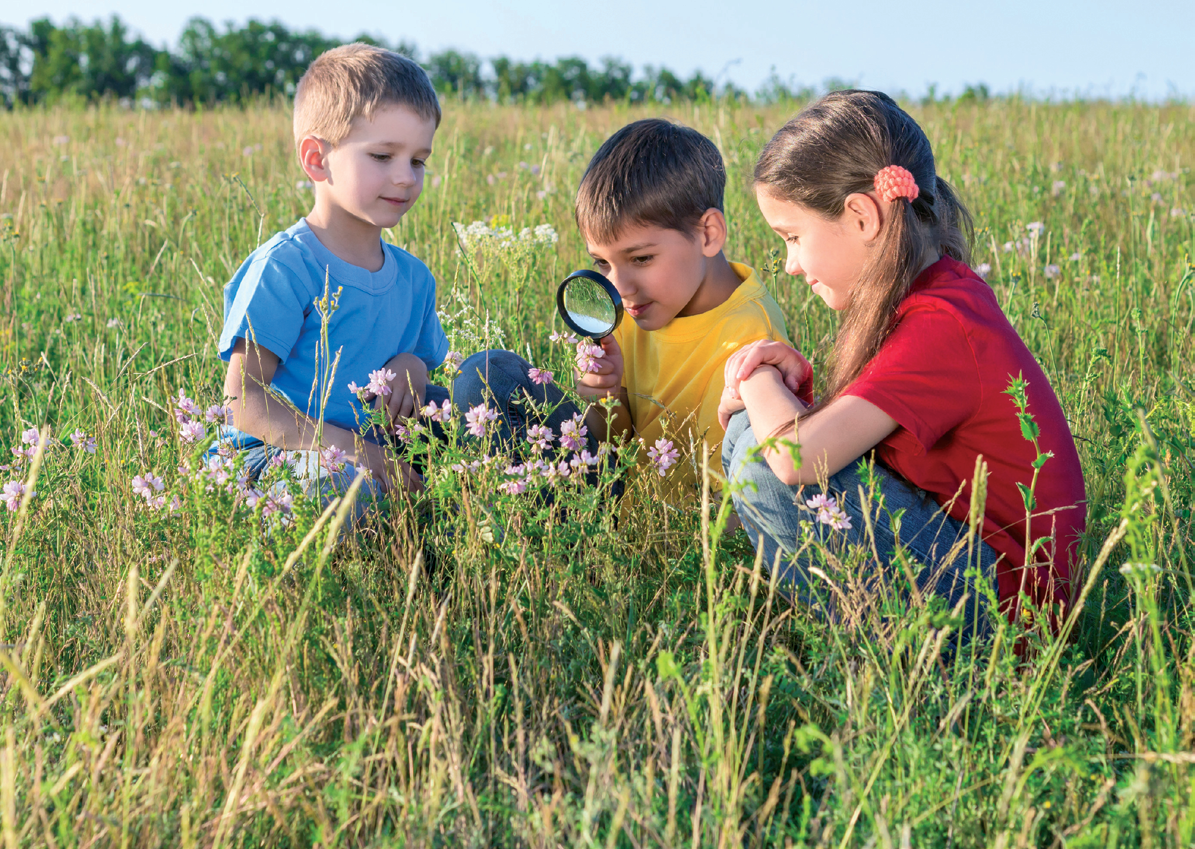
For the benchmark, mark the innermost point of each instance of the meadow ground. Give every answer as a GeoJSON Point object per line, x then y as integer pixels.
{"type": "Point", "coordinates": [174, 674]}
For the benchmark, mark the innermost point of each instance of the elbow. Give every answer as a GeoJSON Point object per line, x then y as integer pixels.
{"type": "Point", "coordinates": [784, 469]}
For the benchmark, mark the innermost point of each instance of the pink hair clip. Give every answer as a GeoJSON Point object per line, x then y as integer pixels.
{"type": "Point", "coordinates": [895, 182]}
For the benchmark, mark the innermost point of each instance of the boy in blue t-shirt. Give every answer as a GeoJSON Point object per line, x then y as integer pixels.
{"type": "Point", "coordinates": [364, 121]}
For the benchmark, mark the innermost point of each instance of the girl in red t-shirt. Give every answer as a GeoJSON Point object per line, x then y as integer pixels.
{"type": "Point", "coordinates": [919, 374]}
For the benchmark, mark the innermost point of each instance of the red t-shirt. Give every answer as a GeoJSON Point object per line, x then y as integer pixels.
{"type": "Point", "coordinates": [941, 375]}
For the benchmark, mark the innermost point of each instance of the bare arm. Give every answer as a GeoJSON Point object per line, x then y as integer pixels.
{"type": "Point", "coordinates": [829, 439]}
{"type": "Point", "coordinates": [250, 371]}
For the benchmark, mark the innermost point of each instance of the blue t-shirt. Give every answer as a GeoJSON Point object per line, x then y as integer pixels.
{"type": "Point", "coordinates": [273, 300]}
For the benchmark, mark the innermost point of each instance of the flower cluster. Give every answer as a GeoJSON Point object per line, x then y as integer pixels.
{"type": "Point", "coordinates": [149, 486]}
{"type": "Point", "coordinates": [565, 338]}
{"type": "Point", "coordinates": [828, 512]}
{"type": "Point", "coordinates": [478, 418]}
{"type": "Point", "coordinates": [573, 433]}
{"type": "Point", "coordinates": [588, 355]}
{"type": "Point", "coordinates": [191, 419]}
{"type": "Point", "coordinates": [1025, 245]}
{"type": "Point", "coordinates": [83, 441]}
{"type": "Point", "coordinates": [663, 455]}
{"type": "Point", "coordinates": [14, 491]}
{"type": "Point", "coordinates": [539, 376]}
{"type": "Point", "coordinates": [443, 413]}
{"type": "Point", "coordinates": [493, 238]}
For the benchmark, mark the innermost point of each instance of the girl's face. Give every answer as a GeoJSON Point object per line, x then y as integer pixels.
{"type": "Point", "coordinates": [831, 253]}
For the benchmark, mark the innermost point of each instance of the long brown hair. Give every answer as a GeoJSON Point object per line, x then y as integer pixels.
{"type": "Point", "coordinates": [834, 148]}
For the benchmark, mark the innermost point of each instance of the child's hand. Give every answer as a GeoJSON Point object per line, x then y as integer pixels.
{"type": "Point", "coordinates": [729, 404]}
{"type": "Point", "coordinates": [793, 367]}
{"type": "Point", "coordinates": [406, 390]}
{"type": "Point", "coordinates": [603, 376]}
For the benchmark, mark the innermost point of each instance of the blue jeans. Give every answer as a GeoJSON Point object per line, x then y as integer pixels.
{"type": "Point", "coordinates": [934, 543]}
{"type": "Point", "coordinates": [500, 379]}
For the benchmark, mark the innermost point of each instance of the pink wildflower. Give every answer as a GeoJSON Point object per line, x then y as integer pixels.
{"type": "Point", "coordinates": [354, 388]}
{"type": "Point", "coordinates": [453, 360]}
{"type": "Point", "coordinates": [191, 431]}
{"type": "Point", "coordinates": [332, 458]}
{"type": "Point", "coordinates": [185, 409]}
{"type": "Point", "coordinates": [30, 437]}
{"type": "Point", "coordinates": [82, 441]}
{"type": "Point", "coordinates": [513, 487]}
{"type": "Point", "coordinates": [573, 433]}
{"type": "Point", "coordinates": [539, 376]}
{"type": "Point", "coordinates": [583, 459]}
{"type": "Point", "coordinates": [379, 381]}
{"type": "Point", "coordinates": [663, 455]}
{"type": "Point", "coordinates": [566, 338]}
{"type": "Point", "coordinates": [540, 437]}
{"type": "Point", "coordinates": [478, 417]}
{"type": "Point", "coordinates": [588, 356]}
{"type": "Point", "coordinates": [147, 484]}
{"type": "Point", "coordinates": [437, 414]}
{"type": "Point", "coordinates": [217, 413]}
{"type": "Point", "coordinates": [819, 501]}
{"type": "Point", "coordinates": [13, 492]}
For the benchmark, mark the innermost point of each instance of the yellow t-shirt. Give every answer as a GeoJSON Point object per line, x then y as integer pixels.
{"type": "Point", "coordinates": [674, 375]}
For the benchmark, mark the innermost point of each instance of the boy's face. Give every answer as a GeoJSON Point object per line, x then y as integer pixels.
{"type": "Point", "coordinates": [375, 174]}
{"type": "Point", "coordinates": [658, 272]}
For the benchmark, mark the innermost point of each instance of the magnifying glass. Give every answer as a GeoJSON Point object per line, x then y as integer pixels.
{"type": "Point", "coordinates": [589, 304]}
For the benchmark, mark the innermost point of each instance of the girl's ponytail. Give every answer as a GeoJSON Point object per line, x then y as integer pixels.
{"type": "Point", "coordinates": [837, 147]}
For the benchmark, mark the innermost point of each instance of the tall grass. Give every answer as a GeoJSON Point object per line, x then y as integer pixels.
{"type": "Point", "coordinates": [495, 672]}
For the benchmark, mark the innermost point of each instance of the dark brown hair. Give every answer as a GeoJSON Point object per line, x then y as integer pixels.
{"type": "Point", "coordinates": [651, 172]}
{"type": "Point", "coordinates": [834, 148]}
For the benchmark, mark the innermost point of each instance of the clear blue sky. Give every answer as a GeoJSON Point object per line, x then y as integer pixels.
{"type": "Point", "coordinates": [1092, 48]}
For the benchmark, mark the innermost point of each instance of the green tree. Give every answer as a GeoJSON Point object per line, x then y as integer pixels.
{"type": "Point", "coordinates": [89, 61]}
{"type": "Point", "coordinates": [16, 62]}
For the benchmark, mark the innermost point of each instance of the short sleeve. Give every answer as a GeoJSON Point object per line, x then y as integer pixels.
{"type": "Point", "coordinates": [432, 346]}
{"type": "Point", "coordinates": [269, 305]}
{"type": "Point", "coordinates": [925, 375]}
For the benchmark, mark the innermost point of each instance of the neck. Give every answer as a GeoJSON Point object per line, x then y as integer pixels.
{"type": "Point", "coordinates": [719, 283]}
{"type": "Point", "coordinates": [347, 236]}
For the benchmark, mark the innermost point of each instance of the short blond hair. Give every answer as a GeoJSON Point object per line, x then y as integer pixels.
{"type": "Point", "coordinates": [352, 80]}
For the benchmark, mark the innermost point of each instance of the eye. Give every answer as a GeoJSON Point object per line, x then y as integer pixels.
{"type": "Point", "coordinates": [642, 260]}
{"type": "Point", "coordinates": [791, 240]}
{"type": "Point", "coordinates": [380, 157]}
{"type": "Point", "coordinates": [600, 263]}
{"type": "Point", "coordinates": [418, 163]}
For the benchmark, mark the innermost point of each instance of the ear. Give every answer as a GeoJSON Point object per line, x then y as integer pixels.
{"type": "Point", "coordinates": [711, 232]}
{"type": "Point", "coordinates": [862, 214]}
{"type": "Point", "coordinates": [313, 158]}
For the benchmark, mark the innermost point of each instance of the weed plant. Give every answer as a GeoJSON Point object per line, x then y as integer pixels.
{"type": "Point", "coordinates": [491, 668]}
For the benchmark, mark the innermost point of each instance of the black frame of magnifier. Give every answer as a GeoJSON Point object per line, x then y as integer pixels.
{"type": "Point", "coordinates": [602, 281]}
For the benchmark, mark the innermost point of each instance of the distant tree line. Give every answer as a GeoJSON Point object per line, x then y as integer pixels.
{"type": "Point", "coordinates": [93, 61]}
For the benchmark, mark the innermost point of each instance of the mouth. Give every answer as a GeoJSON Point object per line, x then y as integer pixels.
{"type": "Point", "coordinates": [395, 201]}
{"type": "Point", "coordinates": [635, 310]}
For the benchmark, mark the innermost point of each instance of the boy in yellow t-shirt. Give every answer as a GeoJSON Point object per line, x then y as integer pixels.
{"type": "Point", "coordinates": [650, 209]}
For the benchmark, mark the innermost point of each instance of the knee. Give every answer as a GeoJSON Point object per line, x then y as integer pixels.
{"type": "Point", "coordinates": [482, 371]}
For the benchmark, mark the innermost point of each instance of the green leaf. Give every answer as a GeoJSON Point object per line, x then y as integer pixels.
{"type": "Point", "coordinates": [1027, 496]}
{"type": "Point", "coordinates": [1029, 428]}
{"type": "Point", "coordinates": [1042, 458]}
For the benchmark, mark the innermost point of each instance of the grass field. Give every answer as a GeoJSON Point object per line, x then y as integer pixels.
{"type": "Point", "coordinates": [180, 677]}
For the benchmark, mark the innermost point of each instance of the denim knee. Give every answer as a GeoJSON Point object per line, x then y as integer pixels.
{"type": "Point", "coordinates": [487, 374]}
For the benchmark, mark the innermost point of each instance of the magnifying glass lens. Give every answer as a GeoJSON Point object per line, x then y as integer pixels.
{"type": "Point", "coordinates": [589, 306]}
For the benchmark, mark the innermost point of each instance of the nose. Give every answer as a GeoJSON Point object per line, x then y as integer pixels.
{"type": "Point", "coordinates": [792, 265]}
{"type": "Point", "coordinates": [622, 281]}
{"type": "Point", "coordinates": [403, 174]}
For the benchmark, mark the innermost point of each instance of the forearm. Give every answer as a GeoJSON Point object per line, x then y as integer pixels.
{"type": "Point", "coordinates": [773, 411]}
{"type": "Point", "coordinates": [276, 423]}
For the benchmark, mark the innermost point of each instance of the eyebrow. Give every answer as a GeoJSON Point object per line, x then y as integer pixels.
{"type": "Point", "coordinates": [636, 248]}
